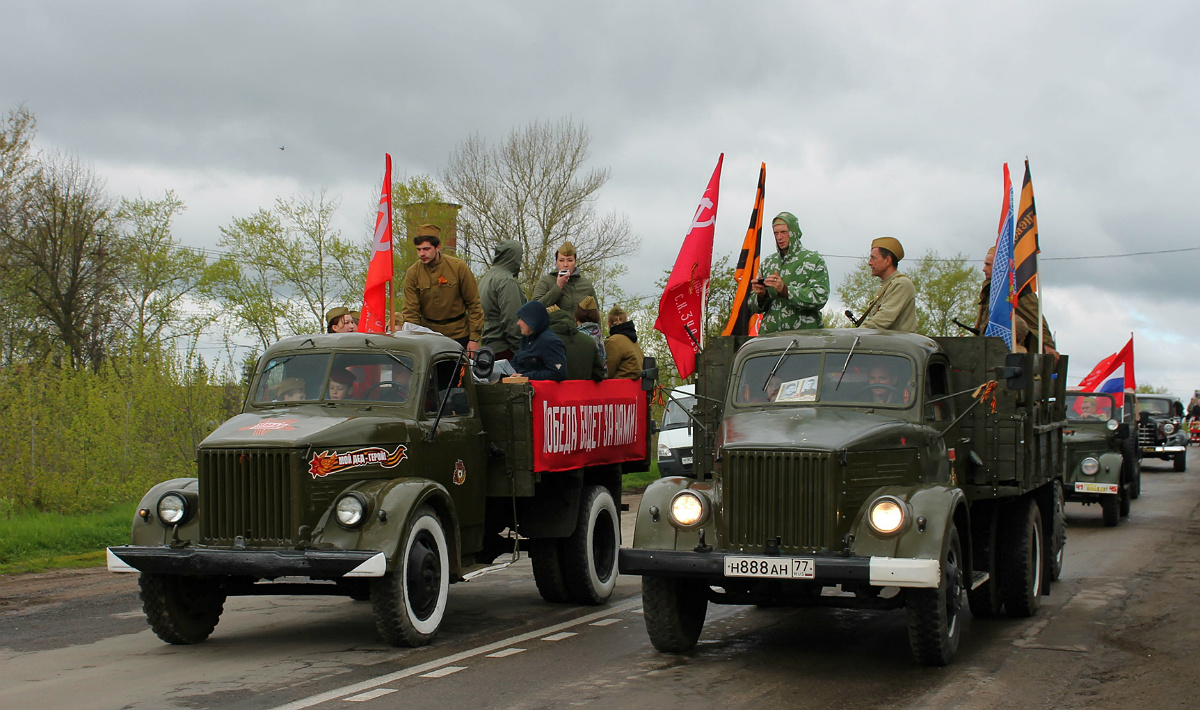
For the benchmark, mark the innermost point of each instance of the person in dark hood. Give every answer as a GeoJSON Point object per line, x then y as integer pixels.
{"type": "Point", "coordinates": [624, 355]}
{"type": "Point", "coordinates": [583, 359]}
{"type": "Point", "coordinates": [501, 296]}
{"type": "Point", "coordinates": [541, 355]}
{"type": "Point", "coordinates": [794, 282]}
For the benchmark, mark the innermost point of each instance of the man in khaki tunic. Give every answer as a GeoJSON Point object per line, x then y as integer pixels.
{"type": "Point", "coordinates": [895, 304]}
{"type": "Point", "coordinates": [440, 292]}
{"type": "Point", "coordinates": [1024, 337]}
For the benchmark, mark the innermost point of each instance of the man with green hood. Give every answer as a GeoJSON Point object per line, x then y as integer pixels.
{"type": "Point", "coordinates": [793, 284]}
{"type": "Point", "coordinates": [501, 296]}
{"type": "Point", "coordinates": [564, 287]}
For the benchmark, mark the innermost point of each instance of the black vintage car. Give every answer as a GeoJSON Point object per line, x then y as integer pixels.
{"type": "Point", "coordinates": [1161, 430]}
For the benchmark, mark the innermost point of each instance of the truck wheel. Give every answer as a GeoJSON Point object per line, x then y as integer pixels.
{"type": "Point", "coordinates": [1181, 461]}
{"type": "Point", "coordinates": [590, 554]}
{"type": "Point", "coordinates": [1020, 558]}
{"type": "Point", "coordinates": [181, 610]}
{"type": "Point", "coordinates": [1130, 470]}
{"type": "Point", "coordinates": [1110, 509]}
{"type": "Point", "coordinates": [1125, 496]}
{"type": "Point", "coordinates": [674, 611]}
{"type": "Point", "coordinates": [1058, 535]}
{"type": "Point", "coordinates": [935, 615]}
{"type": "Point", "coordinates": [548, 569]}
{"type": "Point", "coordinates": [410, 601]}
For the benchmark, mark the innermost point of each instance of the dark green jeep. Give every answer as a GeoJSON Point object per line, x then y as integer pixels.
{"type": "Point", "coordinates": [1102, 459]}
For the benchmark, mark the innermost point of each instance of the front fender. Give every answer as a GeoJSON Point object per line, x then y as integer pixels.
{"type": "Point", "coordinates": [660, 534]}
{"type": "Point", "coordinates": [150, 531]}
{"type": "Point", "coordinates": [936, 503]}
{"type": "Point", "coordinates": [398, 499]}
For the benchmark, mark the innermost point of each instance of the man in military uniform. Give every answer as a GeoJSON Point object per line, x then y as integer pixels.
{"type": "Point", "coordinates": [796, 282]}
{"type": "Point", "coordinates": [895, 303]}
{"type": "Point", "coordinates": [1024, 335]}
{"type": "Point", "coordinates": [440, 292]}
{"type": "Point", "coordinates": [564, 287]}
{"type": "Point", "coordinates": [501, 296]}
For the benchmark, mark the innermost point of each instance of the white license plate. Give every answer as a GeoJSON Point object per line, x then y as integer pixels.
{"type": "Point", "coordinates": [771, 567]}
{"type": "Point", "coordinates": [1087, 487]}
{"type": "Point", "coordinates": [685, 460]}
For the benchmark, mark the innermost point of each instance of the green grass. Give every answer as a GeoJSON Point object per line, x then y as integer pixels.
{"type": "Point", "coordinates": [638, 481]}
{"type": "Point", "coordinates": [32, 541]}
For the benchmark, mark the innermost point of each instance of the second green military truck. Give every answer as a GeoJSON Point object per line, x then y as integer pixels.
{"type": "Point", "coordinates": [376, 467]}
{"type": "Point", "coordinates": [861, 469]}
{"type": "Point", "coordinates": [1102, 464]}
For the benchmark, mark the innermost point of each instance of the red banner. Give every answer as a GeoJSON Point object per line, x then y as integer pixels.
{"type": "Point", "coordinates": [379, 271]}
{"type": "Point", "coordinates": [580, 423]}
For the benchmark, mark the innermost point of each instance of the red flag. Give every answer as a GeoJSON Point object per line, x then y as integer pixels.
{"type": "Point", "coordinates": [681, 310]}
{"type": "Point", "coordinates": [379, 273]}
{"type": "Point", "coordinates": [1108, 366]}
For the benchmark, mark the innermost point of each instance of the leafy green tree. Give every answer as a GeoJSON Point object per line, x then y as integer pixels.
{"type": "Point", "coordinates": [1147, 388]}
{"type": "Point", "coordinates": [947, 288]}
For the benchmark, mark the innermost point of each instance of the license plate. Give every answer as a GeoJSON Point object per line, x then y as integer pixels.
{"type": "Point", "coordinates": [685, 460]}
{"type": "Point", "coordinates": [771, 567]}
{"type": "Point", "coordinates": [1087, 487]}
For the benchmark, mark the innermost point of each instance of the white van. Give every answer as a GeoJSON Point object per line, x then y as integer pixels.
{"type": "Point", "coordinates": [675, 433]}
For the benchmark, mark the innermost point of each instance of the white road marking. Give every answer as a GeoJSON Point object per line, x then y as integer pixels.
{"type": "Point", "coordinates": [604, 622]}
{"type": "Point", "coordinates": [370, 695]}
{"type": "Point", "coordinates": [443, 672]}
{"type": "Point", "coordinates": [559, 636]}
{"type": "Point", "coordinates": [365, 685]}
{"type": "Point", "coordinates": [506, 653]}
{"type": "Point", "coordinates": [128, 614]}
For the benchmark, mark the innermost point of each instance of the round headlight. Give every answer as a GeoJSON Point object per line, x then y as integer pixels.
{"type": "Point", "coordinates": [664, 451]}
{"type": "Point", "coordinates": [886, 515]}
{"type": "Point", "coordinates": [1112, 425]}
{"type": "Point", "coordinates": [1168, 428]}
{"type": "Point", "coordinates": [689, 509]}
{"type": "Point", "coordinates": [172, 508]}
{"type": "Point", "coordinates": [350, 510]}
{"type": "Point", "coordinates": [1090, 466]}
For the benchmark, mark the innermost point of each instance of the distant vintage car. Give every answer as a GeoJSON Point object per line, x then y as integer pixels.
{"type": "Point", "coordinates": [1161, 432]}
{"type": "Point", "coordinates": [1102, 461]}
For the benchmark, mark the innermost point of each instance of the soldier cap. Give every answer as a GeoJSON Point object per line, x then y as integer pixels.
{"type": "Point", "coordinates": [335, 313]}
{"type": "Point", "coordinates": [891, 244]}
{"type": "Point", "coordinates": [567, 249]}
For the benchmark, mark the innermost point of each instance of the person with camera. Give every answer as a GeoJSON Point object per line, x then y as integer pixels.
{"type": "Point", "coordinates": [793, 283]}
{"type": "Point", "coordinates": [564, 287]}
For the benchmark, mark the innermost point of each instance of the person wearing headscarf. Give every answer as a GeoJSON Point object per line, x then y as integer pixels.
{"type": "Point", "coordinates": [793, 283]}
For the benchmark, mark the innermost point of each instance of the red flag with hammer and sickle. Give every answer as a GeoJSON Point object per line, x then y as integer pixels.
{"type": "Point", "coordinates": [379, 272]}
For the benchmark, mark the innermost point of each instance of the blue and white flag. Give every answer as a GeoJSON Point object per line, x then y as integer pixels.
{"type": "Point", "coordinates": [1000, 304]}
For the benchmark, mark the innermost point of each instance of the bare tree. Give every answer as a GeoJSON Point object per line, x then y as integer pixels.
{"type": "Point", "coordinates": [534, 188]}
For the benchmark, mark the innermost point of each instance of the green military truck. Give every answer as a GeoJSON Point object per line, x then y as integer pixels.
{"type": "Point", "coordinates": [374, 466]}
{"type": "Point", "coordinates": [1102, 464]}
{"type": "Point", "coordinates": [861, 469]}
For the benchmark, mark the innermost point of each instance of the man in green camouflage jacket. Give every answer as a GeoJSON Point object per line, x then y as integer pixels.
{"type": "Point", "coordinates": [794, 283]}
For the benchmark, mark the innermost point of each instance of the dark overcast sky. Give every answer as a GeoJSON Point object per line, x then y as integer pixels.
{"type": "Point", "coordinates": [873, 118]}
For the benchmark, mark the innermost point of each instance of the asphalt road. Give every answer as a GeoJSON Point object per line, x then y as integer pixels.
{"type": "Point", "coordinates": [1117, 628]}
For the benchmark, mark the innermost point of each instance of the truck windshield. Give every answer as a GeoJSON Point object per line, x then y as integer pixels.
{"type": "Point", "coordinates": [870, 379]}
{"type": "Point", "coordinates": [675, 416]}
{"type": "Point", "coordinates": [348, 376]}
{"type": "Point", "coordinates": [1091, 407]}
{"type": "Point", "coordinates": [1154, 406]}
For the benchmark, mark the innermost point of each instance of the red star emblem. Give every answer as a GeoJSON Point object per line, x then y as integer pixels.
{"type": "Point", "coordinates": [267, 425]}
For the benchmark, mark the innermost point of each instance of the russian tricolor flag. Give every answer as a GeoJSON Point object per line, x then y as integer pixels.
{"type": "Point", "coordinates": [1096, 382]}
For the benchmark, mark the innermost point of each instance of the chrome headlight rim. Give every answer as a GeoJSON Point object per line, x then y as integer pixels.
{"type": "Point", "coordinates": [682, 498]}
{"type": "Point", "coordinates": [1089, 466]}
{"type": "Point", "coordinates": [177, 515]}
{"type": "Point", "coordinates": [1168, 428]}
{"type": "Point", "coordinates": [1112, 424]}
{"type": "Point", "coordinates": [364, 508]}
{"type": "Point", "coordinates": [900, 506]}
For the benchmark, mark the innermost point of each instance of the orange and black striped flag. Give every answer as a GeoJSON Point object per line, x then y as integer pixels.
{"type": "Point", "coordinates": [1025, 240]}
{"type": "Point", "coordinates": [741, 320]}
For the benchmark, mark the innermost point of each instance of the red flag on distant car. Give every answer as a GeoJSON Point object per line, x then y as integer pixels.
{"type": "Point", "coordinates": [379, 273]}
{"type": "Point", "coordinates": [681, 310]}
{"type": "Point", "coordinates": [1096, 379]}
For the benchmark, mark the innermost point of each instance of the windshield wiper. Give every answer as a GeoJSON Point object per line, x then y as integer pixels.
{"type": "Point", "coordinates": [777, 364]}
{"type": "Point", "coordinates": [274, 365]}
{"type": "Point", "coordinates": [847, 364]}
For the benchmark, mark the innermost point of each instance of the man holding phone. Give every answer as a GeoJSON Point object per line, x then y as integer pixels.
{"type": "Point", "coordinates": [793, 283]}
{"type": "Point", "coordinates": [564, 286]}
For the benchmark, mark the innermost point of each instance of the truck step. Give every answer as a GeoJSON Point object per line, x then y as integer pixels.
{"type": "Point", "coordinates": [978, 578]}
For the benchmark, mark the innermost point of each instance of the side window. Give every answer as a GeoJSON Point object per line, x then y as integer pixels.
{"type": "Point", "coordinates": [447, 379]}
{"type": "Point", "coordinates": [937, 385]}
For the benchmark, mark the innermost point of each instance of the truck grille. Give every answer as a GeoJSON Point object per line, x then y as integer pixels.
{"type": "Point", "coordinates": [246, 492]}
{"type": "Point", "coordinates": [1147, 434]}
{"type": "Point", "coordinates": [784, 494]}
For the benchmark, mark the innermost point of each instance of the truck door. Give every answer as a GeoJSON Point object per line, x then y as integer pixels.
{"type": "Point", "coordinates": [457, 456]}
{"type": "Point", "coordinates": [939, 415]}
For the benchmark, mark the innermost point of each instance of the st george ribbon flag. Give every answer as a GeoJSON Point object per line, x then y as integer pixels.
{"type": "Point", "coordinates": [379, 271]}
{"type": "Point", "coordinates": [741, 320]}
{"type": "Point", "coordinates": [1000, 303]}
{"type": "Point", "coordinates": [1025, 239]}
{"type": "Point", "coordinates": [1096, 382]}
{"type": "Point", "coordinates": [681, 310]}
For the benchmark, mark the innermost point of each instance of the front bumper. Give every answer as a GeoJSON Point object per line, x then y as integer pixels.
{"type": "Point", "coordinates": [830, 570]}
{"type": "Point", "coordinates": [1163, 449]}
{"type": "Point", "coordinates": [264, 564]}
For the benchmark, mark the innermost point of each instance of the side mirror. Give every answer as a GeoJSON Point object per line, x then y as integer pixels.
{"type": "Point", "coordinates": [649, 373]}
{"type": "Point", "coordinates": [485, 360]}
{"type": "Point", "coordinates": [1013, 371]}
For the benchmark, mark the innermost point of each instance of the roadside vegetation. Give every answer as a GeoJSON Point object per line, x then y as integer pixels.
{"type": "Point", "coordinates": [33, 541]}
